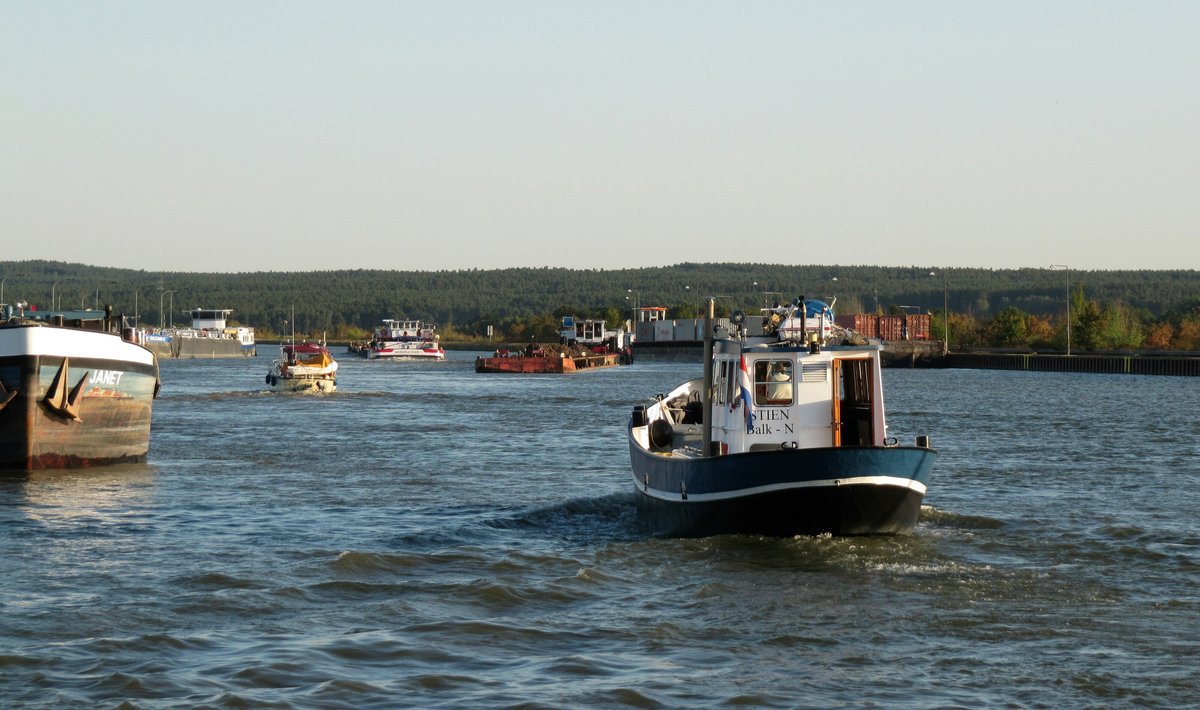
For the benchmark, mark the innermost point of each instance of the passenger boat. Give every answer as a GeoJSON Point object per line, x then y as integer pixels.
{"type": "Point", "coordinates": [307, 367]}
{"type": "Point", "coordinates": [73, 391]}
{"type": "Point", "coordinates": [584, 344]}
{"type": "Point", "coordinates": [405, 340]}
{"type": "Point", "coordinates": [789, 437]}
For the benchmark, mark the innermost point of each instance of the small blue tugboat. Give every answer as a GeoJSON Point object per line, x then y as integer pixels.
{"type": "Point", "coordinates": [788, 438]}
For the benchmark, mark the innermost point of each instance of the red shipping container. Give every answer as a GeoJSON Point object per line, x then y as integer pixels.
{"type": "Point", "coordinates": [891, 327]}
{"type": "Point", "coordinates": [865, 324]}
{"type": "Point", "coordinates": [919, 326]}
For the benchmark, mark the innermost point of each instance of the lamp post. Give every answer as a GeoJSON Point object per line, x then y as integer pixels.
{"type": "Point", "coordinates": [633, 300]}
{"type": "Point", "coordinates": [161, 320]}
{"type": "Point", "coordinates": [945, 312]}
{"type": "Point", "coordinates": [1068, 272]}
{"type": "Point", "coordinates": [766, 301]}
{"type": "Point", "coordinates": [53, 291]}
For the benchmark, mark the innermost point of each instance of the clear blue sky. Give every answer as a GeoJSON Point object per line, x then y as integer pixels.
{"type": "Point", "coordinates": [242, 136]}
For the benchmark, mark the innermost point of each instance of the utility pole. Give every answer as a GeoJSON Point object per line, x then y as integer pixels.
{"type": "Point", "coordinates": [1068, 271]}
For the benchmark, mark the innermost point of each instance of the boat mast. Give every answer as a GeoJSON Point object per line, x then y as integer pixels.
{"type": "Point", "coordinates": [706, 391]}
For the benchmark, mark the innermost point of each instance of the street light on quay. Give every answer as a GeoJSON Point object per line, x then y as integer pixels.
{"type": "Point", "coordinates": [766, 301]}
{"type": "Point", "coordinates": [161, 320]}
{"type": "Point", "coordinates": [1068, 272]}
{"type": "Point", "coordinates": [945, 312]}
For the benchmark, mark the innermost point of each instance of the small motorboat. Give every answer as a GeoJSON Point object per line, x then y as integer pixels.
{"type": "Point", "coordinates": [307, 367]}
{"type": "Point", "coordinates": [784, 434]}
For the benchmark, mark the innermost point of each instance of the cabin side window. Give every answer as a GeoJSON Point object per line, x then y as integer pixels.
{"type": "Point", "coordinates": [732, 384]}
{"type": "Point", "coordinates": [773, 382]}
{"type": "Point", "coordinates": [719, 386]}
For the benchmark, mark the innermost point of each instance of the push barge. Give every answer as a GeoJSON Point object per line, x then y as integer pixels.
{"type": "Point", "coordinates": [584, 345]}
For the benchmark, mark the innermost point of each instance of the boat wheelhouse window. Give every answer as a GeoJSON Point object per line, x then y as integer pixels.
{"type": "Point", "coordinates": [773, 382]}
{"type": "Point", "coordinates": [720, 388]}
{"type": "Point", "coordinates": [731, 383]}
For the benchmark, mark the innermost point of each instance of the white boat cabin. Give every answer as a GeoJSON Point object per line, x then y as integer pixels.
{"type": "Point", "coordinates": [782, 390]}
{"type": "Point", "coordinates": [211, 323]}
{"type": "Point", "coordinates": [649, 314]}
{"type": "Point", "coordinates": [790, 397]}
{"type": "Point", "coordinates": [210, 318]}
{"type": "Point", "coordinates": [404, 331]}
{"type": "Point", "coordinates": [588, 331]}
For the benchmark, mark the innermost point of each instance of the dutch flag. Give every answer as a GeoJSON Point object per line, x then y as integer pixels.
{"type": "Point", "coordinates": [745, 383]}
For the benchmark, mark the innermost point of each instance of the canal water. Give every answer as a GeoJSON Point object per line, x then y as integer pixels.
{"type": "Point", "coordinates": [432, 537]}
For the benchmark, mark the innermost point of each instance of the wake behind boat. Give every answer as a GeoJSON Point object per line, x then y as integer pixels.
{"type": "Point", "coordinates": [73, 392]}
{"type": "Point", "coordinates": [789, 438]}
{"type": "Point", "coordinates": [307, 367]}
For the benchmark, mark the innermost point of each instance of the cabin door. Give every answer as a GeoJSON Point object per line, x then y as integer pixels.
{"type": "Point", "coordinates": [853, 410]}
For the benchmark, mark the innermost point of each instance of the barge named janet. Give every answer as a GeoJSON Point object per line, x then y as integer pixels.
{"type": "Point", "coordinates": [73, 391]}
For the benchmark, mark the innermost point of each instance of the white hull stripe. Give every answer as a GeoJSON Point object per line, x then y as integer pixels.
{"type": "Point", "coordinates": [889, 481]}
{"type": "Point", "coordinates": [70, 342]}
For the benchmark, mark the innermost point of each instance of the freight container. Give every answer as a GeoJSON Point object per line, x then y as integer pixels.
{"type": "Point", "coordinates": [918, 326]}
{"type": "Point", "coordinates": [685, 329]}
{"type": "Point", "coordinates": [644, 330]}
{"type": "Point", "coordinates": [891, 327]}
{"type": "Point", "coordinates": [664, 330]}
{"type": "Point", "coordinates": [865, 324]}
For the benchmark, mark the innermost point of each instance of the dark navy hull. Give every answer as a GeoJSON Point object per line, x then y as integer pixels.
{"type": "Point", "coordinates": [838, 490]}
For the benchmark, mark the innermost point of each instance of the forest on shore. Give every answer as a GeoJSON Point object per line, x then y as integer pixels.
{"type": "Point", "coordinates": [1109, 310]}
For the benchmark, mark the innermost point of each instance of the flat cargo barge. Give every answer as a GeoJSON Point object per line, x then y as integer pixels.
{"type": "Point", "coordinates": [549, 359]}
{"type": "Point", "coordinates": [209, 337]}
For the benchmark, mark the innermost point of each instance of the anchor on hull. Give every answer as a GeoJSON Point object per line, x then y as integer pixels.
{"type": "Point", "coordinates": [6, 396]}
{"type": "Point", "coordinates": [58, 400]}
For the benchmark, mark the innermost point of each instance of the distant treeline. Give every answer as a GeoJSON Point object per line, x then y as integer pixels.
{"type": "Point", "coordinates": [526, 302]}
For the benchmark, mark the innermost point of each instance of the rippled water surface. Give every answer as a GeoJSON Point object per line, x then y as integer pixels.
{"type": "Point", "coordinates": [432, 537]}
